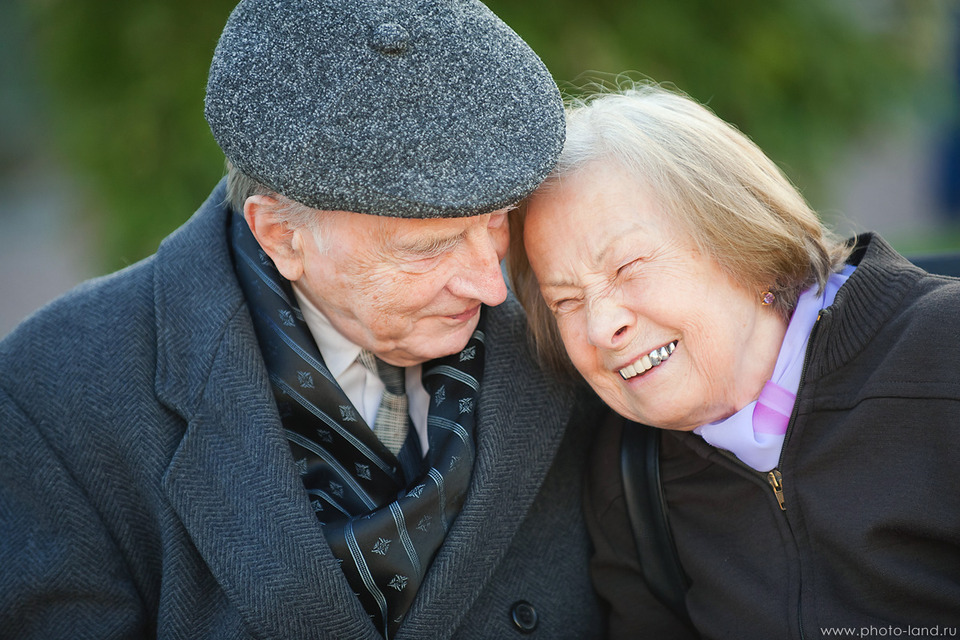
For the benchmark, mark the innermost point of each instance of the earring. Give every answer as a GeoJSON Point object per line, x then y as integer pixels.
{"type": "Point", "coordinates": [767, 298]}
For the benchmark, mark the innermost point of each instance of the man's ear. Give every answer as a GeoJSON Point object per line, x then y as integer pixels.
{"type": "Point", "coordinates": [276, 238]}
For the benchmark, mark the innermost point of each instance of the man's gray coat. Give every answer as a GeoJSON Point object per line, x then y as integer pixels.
{"type": "Point", "coordinates": [147, 489]}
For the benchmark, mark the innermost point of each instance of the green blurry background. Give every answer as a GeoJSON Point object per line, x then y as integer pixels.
{"type": "Point", "coordinates": [104, 150]}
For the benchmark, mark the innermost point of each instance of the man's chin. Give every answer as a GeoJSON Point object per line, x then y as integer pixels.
{"type": "Point", "coordinates": [438, 343]}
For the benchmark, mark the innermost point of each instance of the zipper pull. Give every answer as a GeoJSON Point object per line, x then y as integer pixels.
{"type": "Point", "coordinates": [776, 481]}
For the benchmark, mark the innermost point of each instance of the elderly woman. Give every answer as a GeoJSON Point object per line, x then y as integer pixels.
{"type": "Point", "coordinates": [808, 390]}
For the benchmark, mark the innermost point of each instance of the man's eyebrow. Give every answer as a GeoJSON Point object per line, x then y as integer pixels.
{"type": "Point", "coordinates": [429, 244]}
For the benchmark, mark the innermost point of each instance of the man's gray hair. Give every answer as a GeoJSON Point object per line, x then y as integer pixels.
{"type": "Point", "coordinates": [240, 186]}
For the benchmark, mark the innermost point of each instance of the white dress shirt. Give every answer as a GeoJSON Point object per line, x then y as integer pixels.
{"type": "Point", "coordinates": [362, 386]}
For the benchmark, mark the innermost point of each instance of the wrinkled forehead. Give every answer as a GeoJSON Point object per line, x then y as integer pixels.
{"type": "Point", "coordinates": [399, 235]}
{"type": "Point", "coordinates": [586, 215]}
{"type": "Point", "coordinates": [600, 193]}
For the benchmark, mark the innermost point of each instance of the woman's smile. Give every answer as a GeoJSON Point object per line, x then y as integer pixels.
{"type": "Point", "coordinates": [648, 361]}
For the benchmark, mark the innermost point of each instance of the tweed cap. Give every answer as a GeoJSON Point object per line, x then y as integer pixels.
{"type": "Point", "coordinates": [404, 108]}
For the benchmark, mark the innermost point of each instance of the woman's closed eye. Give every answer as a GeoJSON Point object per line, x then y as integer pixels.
{"type": "Point", "coordinates": [563, 306]}
{"type": "Point", "coordinates": [629, 267]}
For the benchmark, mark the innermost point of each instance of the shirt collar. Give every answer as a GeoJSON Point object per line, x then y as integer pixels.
{"type": "Point", "coordinates": [338, 352]}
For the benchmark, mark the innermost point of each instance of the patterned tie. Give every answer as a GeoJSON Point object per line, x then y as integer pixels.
{"type": "Point", "coordinates": [393, 417]}
{"type": "Point", "coordinates": [384, 516]}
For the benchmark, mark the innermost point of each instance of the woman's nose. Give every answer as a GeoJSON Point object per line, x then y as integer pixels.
{"type": "Point", "coordinates": [608, 323]}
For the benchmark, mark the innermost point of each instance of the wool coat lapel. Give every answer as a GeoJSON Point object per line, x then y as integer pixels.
{"type": "Point", "coordinates": [233, 484]}
{"type": "Point", "coordinates": [521, 423]}
{"type": "Point", "coordinates": [232, 480]}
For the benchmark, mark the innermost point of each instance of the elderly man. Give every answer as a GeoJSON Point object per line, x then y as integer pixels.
{"type": "Point", "coordinates": [313, 413]}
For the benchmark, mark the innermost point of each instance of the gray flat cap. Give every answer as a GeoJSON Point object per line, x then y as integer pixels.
{"type": "Point", "coordinates": [404, 108]}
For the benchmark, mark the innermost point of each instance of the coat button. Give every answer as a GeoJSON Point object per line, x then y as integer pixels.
{"type": "Point", "coordinates": [524, 616]}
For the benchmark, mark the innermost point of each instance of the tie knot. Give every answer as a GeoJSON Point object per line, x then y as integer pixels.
{"type": "Point", "coordinates": [391, 375]}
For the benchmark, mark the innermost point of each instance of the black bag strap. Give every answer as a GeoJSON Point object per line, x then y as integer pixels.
{"type": "Point", "coordinates": [647, 510]}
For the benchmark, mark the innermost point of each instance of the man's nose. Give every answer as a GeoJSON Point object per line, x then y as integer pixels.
{"type": "Point", "coordinates": [480, 276]}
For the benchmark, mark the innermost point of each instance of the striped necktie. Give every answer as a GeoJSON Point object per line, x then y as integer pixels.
{"type": "Point", "coordinates": [393, 418]}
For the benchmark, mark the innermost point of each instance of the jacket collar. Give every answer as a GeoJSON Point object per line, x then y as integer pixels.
{"type": "Point", "coordinates": [232, 480]}
{"type": "Point", "coordinates": [195, 298]}
{"type": "Point", "coordinates": [864, 304]}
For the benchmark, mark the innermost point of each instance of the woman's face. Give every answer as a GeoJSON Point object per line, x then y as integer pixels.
{"type": "Point", "coordinates": [628, 290]}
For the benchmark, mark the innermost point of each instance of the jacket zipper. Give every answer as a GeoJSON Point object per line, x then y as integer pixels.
{"type": "Point", "coordinates": [775, 478]}
{"type": "Point", "coordinates": [776, 481]}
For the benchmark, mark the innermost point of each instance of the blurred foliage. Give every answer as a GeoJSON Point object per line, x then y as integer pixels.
{"type": "Point", "coordinates": [799, 77]}
{"type": "Point", "coordinates": [126, 86]}
{"type": "Point", "coordinates": [126, 82]}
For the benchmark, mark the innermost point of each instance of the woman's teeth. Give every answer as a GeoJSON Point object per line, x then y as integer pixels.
{"type": "Point", "coordinates": [649, 361]}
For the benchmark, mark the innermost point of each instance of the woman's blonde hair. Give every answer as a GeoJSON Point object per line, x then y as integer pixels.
{"type": "Point", "coordinates": [716, 185]}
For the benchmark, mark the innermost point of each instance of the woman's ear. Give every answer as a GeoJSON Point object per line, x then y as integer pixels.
{"type": "Point", "coordinates": [275, 237]}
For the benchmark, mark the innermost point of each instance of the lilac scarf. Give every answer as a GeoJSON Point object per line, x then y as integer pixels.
{"type": "Point", "coordinates": [755, 433]}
